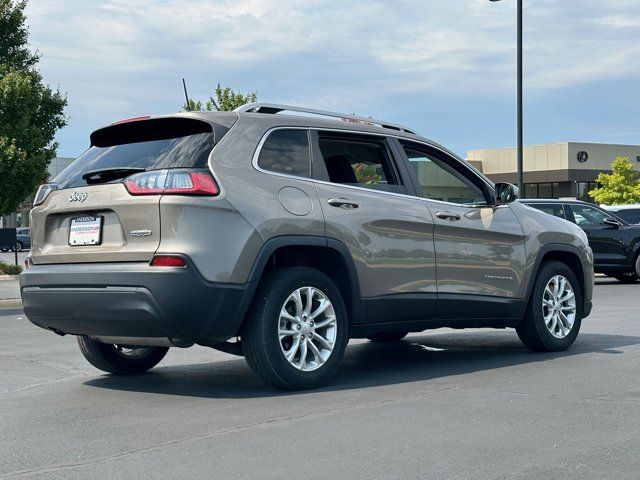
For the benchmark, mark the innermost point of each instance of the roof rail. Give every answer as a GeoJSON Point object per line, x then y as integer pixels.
{"type": "Point", "coordinates": [274, 108]}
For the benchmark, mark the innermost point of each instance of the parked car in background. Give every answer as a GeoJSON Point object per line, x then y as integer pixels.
{"type": "Point", "coordinates": [24, 238]}
{"type": "Point", "coordinates": [629, 213]}
{"type": "Point", "coordinates": [23, 235]}
{"type": "Point", "coordinates": [288, 235]}
{"type": "Point", "coordinates": [615, 241]}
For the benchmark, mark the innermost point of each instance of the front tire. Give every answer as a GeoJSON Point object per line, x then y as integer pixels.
{"type": "Point", "coordinates": [554, 314]}
{"type": "Point", "coordinates": [118, 359]}
{"type": "Point", "coordinates": [631, 277]}
{"type": "Point", "coordinates": [297, 330]}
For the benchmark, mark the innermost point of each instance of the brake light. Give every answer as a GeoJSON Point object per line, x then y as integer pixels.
{"type": "Point", "coordinates": [43, 192]}
{"type": "Point", "coordinates": [168, 261]}
{"type": "Point", "coordinates": [172, 182]}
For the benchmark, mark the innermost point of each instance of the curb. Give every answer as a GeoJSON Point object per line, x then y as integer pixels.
{"type": "Point", "coordinates": [11, 303]}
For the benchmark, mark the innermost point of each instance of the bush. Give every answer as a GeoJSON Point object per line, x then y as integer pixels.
{"type": "Point", "coordinates": [10, 269]}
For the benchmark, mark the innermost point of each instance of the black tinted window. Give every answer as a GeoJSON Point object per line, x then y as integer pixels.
{"type": "Point", "coordinates": [554, 209]}
{"type": "Point", "coordinates": [286, 151]}
{"type": "Point", "coordinates": [357, 161]}
{"type": "Point", "coordinates": [631, 215]}
{"type": "Point", "coordinates": [149, 144]}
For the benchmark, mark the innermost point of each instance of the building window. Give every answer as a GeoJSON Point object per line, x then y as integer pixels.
{"type": "Point", "coordinates": [541, 190]}
{"type": "Point", "coordinates": [583, 189]}
{"type": "Point", "coordinates": [545, 190]}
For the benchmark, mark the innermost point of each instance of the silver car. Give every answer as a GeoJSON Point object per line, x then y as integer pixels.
{"type": "Point", "coordinates": [278, 233]}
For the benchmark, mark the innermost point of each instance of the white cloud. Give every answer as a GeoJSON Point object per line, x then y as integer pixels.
{"type": "Point", "coordinates": [118, 56]}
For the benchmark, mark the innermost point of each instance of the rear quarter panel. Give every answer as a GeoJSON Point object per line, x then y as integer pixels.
{"type": "Point", "coordinates": [223, 236]}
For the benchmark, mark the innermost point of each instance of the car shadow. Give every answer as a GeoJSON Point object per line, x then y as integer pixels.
{"type": "Point", "coordinates": [417, 358]}
{"type": "Point", "coordinates": [611, 281]}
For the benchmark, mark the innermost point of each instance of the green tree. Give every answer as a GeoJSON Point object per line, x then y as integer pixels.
{"type": "Point", "coordinates": [620, 187]}
{"type": "Point", "coordinates": [30, 112]}
{"type": "Point", "coordinates": [225, 100]}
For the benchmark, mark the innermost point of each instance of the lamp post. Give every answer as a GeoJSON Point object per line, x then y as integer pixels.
{"type": "Point", "coordinates": [519, 102]}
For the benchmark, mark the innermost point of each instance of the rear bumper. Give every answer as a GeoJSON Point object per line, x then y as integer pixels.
{"type": "Point", "coordinates": [133, 300]}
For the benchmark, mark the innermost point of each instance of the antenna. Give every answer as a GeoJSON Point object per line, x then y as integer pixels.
{"type": "Point", "coordinates": [186, 95]}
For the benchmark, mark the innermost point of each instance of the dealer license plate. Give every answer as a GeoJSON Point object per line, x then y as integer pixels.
{"type": "Point", "coordinates": [86, 230]}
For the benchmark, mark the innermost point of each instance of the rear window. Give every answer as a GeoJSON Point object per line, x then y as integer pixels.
{"type": "Point", "coordinates": [149, 144]}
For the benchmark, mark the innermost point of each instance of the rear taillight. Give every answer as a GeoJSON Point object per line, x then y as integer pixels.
{"type": "Point", "coordinates": [43, 192]}
{"type": "Point", "coordinates": [146, 183]}
{"type": "Point", "coordinates": [168, 261]}
{"type": "Point", "coordinates": [172, 182]}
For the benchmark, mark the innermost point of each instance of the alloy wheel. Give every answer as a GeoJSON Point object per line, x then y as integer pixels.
{"type": "Point", "coordinates": [307, 328]}
{"type": "Point", "coordinates": [559, 306]}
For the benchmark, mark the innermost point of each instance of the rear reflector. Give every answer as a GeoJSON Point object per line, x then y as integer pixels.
{"type": "Point", "coordinates": [168, 261]}
{"type": "Point", "coordinates": [172, 182]}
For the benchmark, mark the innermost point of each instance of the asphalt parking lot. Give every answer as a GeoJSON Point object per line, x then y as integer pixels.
{"type": "Point", "coordinates": [440, 405]}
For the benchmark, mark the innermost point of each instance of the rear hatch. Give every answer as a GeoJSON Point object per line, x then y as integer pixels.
{"type": "Point", "coordinates": [87, 214]}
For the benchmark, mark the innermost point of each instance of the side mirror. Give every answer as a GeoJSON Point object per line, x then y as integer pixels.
{"type": "Point", "coordinates": [506, 193]}
{"type": "Point", "coordinates": [612, 222]}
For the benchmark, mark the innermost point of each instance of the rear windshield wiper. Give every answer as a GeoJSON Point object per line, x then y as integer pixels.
{"type": "Point", "coordinates": [107, 174]}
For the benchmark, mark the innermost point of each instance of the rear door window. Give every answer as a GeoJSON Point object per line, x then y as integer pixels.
{"type": "Point", "coordinates": [286, 151]}
{"type": "Point", "coordinates": [149, 144]}
{"type": "Point", "coordinates": [359, 160]}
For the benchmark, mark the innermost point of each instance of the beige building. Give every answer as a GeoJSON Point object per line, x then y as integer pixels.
{"type": "Point", "coordinates": [555, 170]}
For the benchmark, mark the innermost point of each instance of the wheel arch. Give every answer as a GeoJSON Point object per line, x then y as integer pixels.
{"type": "Point", "coordinates": [330, 256]}
{"type": "Point", "coordinates": [570, 256]}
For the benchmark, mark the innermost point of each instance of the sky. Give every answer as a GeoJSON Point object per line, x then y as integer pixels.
{"type": "Point", "coordinates": [446, 68]}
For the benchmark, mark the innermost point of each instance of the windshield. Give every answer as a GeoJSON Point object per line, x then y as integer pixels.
{"type": "Point", "coordinates": [149, 145]}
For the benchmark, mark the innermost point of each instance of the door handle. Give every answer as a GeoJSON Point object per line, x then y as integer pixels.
{"type": "Point", "coordinates": [448, 216]}
{"type": "Point", "coordinates": [342, 203]}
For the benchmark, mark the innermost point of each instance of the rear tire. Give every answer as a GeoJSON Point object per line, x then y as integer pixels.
{"type": "Point", "coordinates": [388, 336]}
{"type": "Point", "coordinates": [120, 360]}
{"type": "Point", "coordinates": [551, 324]}
{"type": "Point", "coordinates": [286, 342]}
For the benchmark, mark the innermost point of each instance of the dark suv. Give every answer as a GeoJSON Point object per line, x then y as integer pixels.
{"type": "Point", "coordinates": [615, 242]}
{"type": "Point", "coordinates": [289, 234]}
